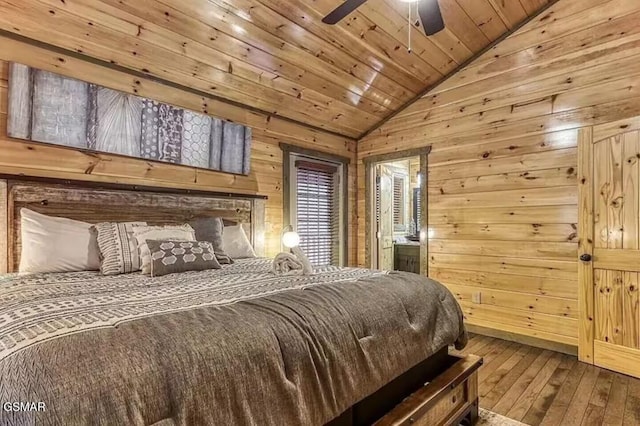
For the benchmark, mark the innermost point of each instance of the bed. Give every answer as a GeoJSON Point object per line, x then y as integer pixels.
{"type": "Point", "coordinates": [236, 345]}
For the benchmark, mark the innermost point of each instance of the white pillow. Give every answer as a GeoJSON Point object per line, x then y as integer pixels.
{"type": "Point", "coordinates": [235, 242]}
{"type": "Point", "coordinates": [169, 232]}
{"type": "Point", "coordinates": [56, 244]}
{"type": "Point", "coordinates": [118, 247]}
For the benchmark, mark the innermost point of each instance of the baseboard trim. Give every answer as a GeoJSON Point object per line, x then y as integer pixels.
{"type": "Point", "coordinates": [525, 340]}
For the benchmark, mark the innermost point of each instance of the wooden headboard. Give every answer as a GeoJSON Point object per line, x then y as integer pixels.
{"type": "Point", "coordinates": [118, 204]}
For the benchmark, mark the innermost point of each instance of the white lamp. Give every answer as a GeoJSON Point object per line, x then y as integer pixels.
{"type": "Point", "coordinates": [290, 239]}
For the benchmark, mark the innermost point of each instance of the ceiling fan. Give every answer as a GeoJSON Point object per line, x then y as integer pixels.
{"type": "Point", "coordinates": [428, 10]}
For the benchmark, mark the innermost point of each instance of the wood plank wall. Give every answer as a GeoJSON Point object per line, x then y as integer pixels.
{"type": "Point", "coordinates": [266, 162]}
{"type": "Point", "coordinates": [502, 173]}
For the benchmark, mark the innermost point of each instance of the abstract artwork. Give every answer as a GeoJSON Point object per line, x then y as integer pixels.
{"type": "Point", "coordinates": [50, 108]}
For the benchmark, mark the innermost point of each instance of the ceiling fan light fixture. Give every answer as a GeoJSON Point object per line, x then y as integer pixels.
{"type": "Point", "coordinates": [428, 11]}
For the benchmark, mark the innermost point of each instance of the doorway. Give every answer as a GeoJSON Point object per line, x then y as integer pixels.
{"type": "Point", "coordinates": [396, 212]}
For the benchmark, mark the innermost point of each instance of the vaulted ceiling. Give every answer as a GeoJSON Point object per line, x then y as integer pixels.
{"type": "Point", "coordinates": [276, 55]}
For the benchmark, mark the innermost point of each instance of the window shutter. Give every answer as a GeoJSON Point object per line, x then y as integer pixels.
{"type": "Point", "coordinates": [398, 200]}
{"type": "Point", "coordinates": [417, 196]}
{"type": "Point", "coordinates": [318, 211]}
{"type": "Point", "coordinates": [378, 202]}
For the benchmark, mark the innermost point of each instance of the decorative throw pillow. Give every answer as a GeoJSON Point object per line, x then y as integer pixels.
{"type": "Point", "coordinates": [210, 229]}
{"type": "Point", "coordinates": [235, 242]}
{"type": "Point", "coordinates": [169, 257]}
{"type": "Point", "coordinates": [118, 247]}
{"type": "Point", "coordinates": [56, 244]}
{"type": "Point", "coordinates": [169, 232]}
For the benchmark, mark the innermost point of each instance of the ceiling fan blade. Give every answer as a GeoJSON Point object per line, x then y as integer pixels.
{"type": "Point", "coordinates": [429, 11]}
{"type": "Point", "coordinates": [341, 11]}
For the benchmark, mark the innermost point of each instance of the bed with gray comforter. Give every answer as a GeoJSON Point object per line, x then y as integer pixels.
{"type": "Point", "coordinates": [237, 345]}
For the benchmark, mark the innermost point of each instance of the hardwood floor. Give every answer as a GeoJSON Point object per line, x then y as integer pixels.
{"type": "Point", "coordinates": [542, 387]}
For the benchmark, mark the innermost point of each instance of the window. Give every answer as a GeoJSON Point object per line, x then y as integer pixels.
{"type": "Point", "coordinates": [318, 211]}
{"type": "Point", "coordinates": [316, 204]}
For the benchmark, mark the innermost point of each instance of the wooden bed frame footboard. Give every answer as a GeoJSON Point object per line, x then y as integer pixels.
{"type": "Point", "coordinates": [441, 390]}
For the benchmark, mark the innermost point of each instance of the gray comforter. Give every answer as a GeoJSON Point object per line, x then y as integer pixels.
{"type": "Point", "coordinates": [231, 346]}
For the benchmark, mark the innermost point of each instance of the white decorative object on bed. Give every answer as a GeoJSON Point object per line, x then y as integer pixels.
{"type": "Point", "coordinates": [118, 247]}
{"type": "Point", "coordinates": [307, 268]}
{"type": "Point", "coordinates": [56, 244]}
{"type": "Point", "coordinates": [236, 243]}
{"type": "Point", "coordinates": [287, 264]}
{"type": "Point", "coordinates": [293, 261]}
{"type": "Point", "coordinates": [171, 232]}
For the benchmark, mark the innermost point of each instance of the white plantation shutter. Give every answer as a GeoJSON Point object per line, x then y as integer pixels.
{"type": "Point", "coordinates": [378, 201]}
{"type": "Point", "coordinates": [398, 200]}
{"type": "Point", "coordinates": [417, 199]}
{"type": "Point", "coordinates": [317, 203]}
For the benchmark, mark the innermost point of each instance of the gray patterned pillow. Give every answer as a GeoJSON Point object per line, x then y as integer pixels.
{"type": "Point", "coordinates": [168, 257]}
{"type": "Point", "coordinates": [118, 247]}
{"type": "Point", "coordinates": [210, 229]}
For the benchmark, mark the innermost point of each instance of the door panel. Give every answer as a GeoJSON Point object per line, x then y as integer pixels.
{"type": "Point", "coordinates": [630, 176]}
{"type": "Point", "coordinates": [630, 314]}
{"type": "Point", "coordinates": [608, 286]}
{"type": "Point", "coordinates": [385, 228]}
{"type": "Point", "coordinates": [615, 342]}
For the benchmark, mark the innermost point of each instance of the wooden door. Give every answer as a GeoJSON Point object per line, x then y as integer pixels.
{"type": "Point", "coordinates": [385, 224]}
{"type": "Point", "coordinates": [610, 248]}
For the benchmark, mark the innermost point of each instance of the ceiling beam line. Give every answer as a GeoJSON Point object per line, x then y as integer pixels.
{"type": "Point", "coordinates": [139, 74]}
{"type": "Point", "coordinates": [460, 67]}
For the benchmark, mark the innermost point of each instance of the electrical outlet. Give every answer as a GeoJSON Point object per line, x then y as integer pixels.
{"type": "Point", "coordinates": [476, 297]}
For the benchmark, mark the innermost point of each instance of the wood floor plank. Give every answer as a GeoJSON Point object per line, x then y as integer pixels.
{"type": "Point", "coordinates": [546, 397]}
{"type": "Point", "coordinates": [504, 387]}
{"type": "Point", "coordinates": [478, 344]}
{"type": "Point", "coordinates": [490, 367]}
{"type": "Point", "coordinates": [614, 412]}
{"type": "Point", "coordinates": [520, 408]}
{"type": "Point", "coordinates": [594, 415]}
{"type": "Point", "coordinates": [560, 404]}
{"type": "Point", "coordinates": [491, 351]}
{"type": "Point", "coordinates": [542, 387]}
{"type": "Point", "coordinates": [580, 401]}
{"type": "Point", "coordinates": [632, 406]}
{"type": "Point", "coordinates": [519, 386]}
{"type": "Point", "coordinates": [488, 392]}
{"type": "Point", "coordinates": [600, 395]}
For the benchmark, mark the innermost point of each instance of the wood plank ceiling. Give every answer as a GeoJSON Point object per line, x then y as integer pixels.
{"type": "Point", "coordinates": [275, 55]}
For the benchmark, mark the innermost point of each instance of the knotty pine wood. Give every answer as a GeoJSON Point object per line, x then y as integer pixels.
{"type": "Point", "coordinates": [542, 387]}
{"type": "Point", "coordinates": [611, 332]}
{"type": "Point", "coordinates": [42, 160]}
{"type": "Point", "coordinates": [503, 170]}
{"type": "Point", "coordinates": [276, 55]}
{"type": "Point", "coordinates": [585, 244]}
